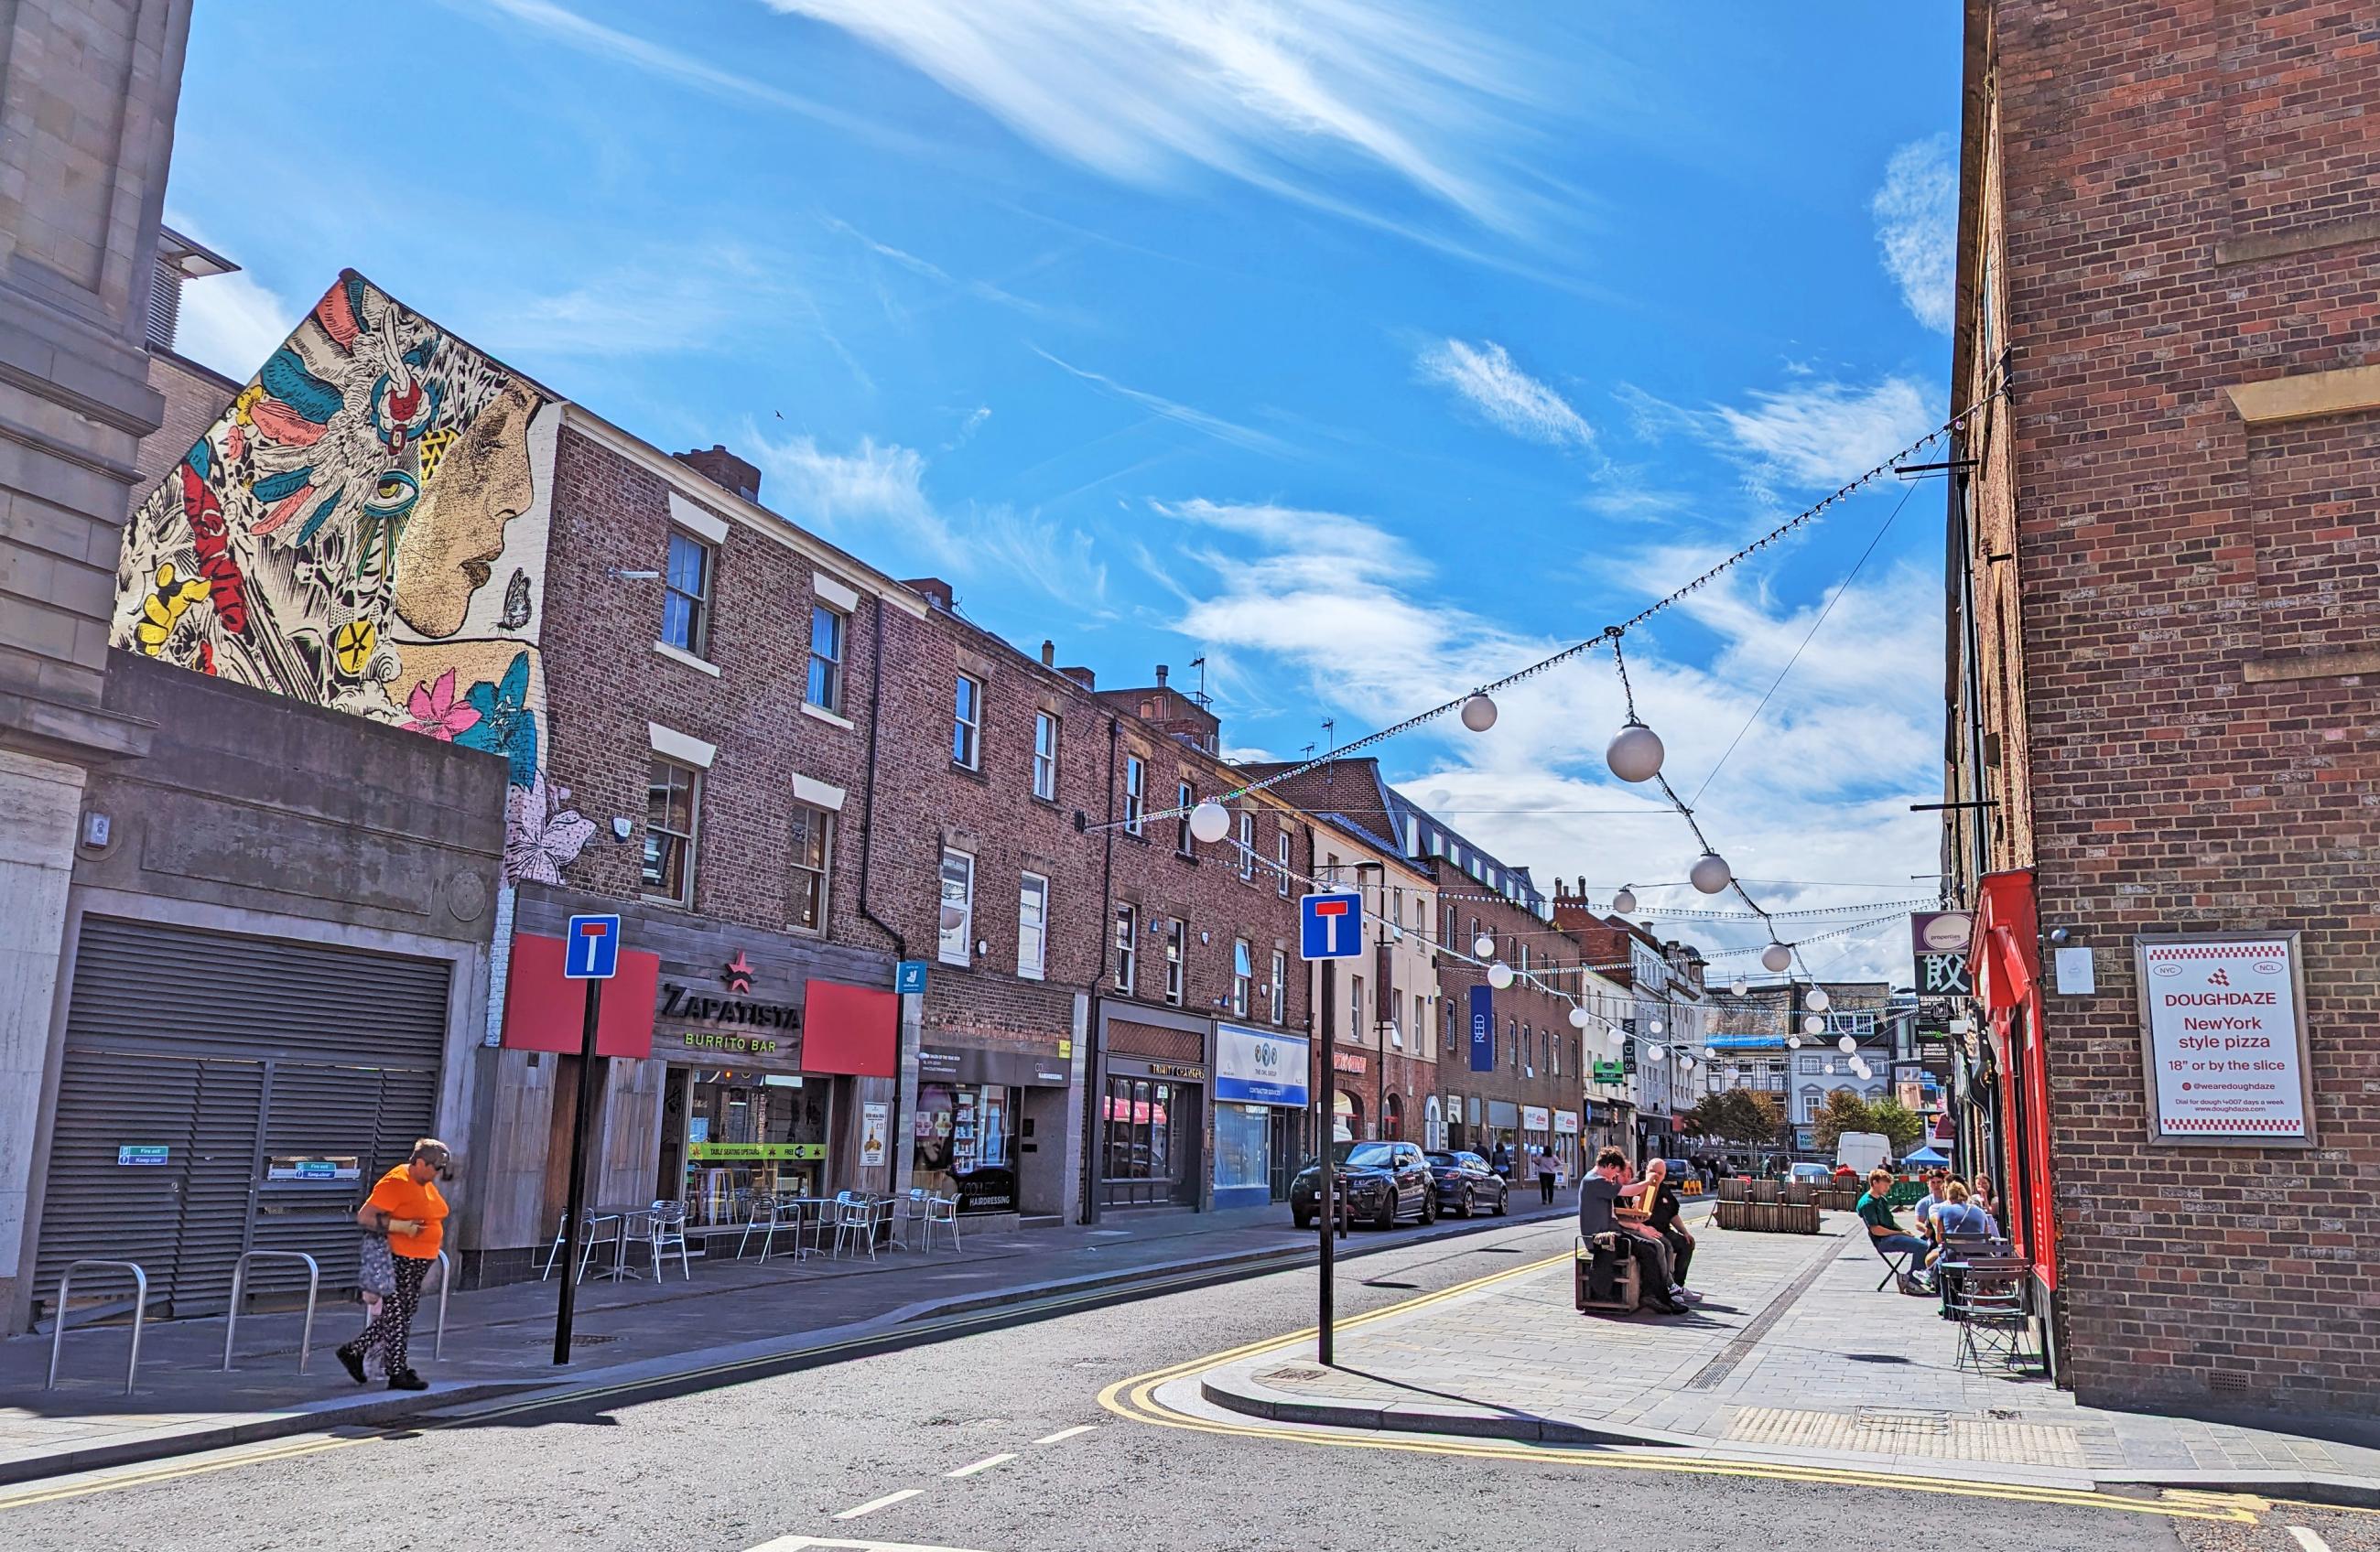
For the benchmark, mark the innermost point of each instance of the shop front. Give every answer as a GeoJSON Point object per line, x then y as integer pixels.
{"type": "Point", "coordinates": [1566, 1135]}
{"type": "Point", "coordinates": [985, 1118]}
{"type": "Point", "coordinates": [1536, 1129]}
{"type": "Point", "coordinates": [1503, 1127]}
{"type": "Point", "coordinates": [2004, 965]}
{"type": "Point", "coordinates": [1149, 1109]}
{"type": "Point", "coordinates": [1260, 1099]}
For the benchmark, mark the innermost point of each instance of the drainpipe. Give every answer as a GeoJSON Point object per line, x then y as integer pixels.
{"type": "Point", "coordinates": [1095, 1060]}
{"type": "Point", "coordinates": [892, 1166]}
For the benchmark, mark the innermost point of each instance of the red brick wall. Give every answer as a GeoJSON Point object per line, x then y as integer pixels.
{"type": "Point", "coordinates": [605, 682]}
{"type": "Point", "coordinates": [2191, 765]}
{"type": "Point", "coordinates": [1544, 1017]}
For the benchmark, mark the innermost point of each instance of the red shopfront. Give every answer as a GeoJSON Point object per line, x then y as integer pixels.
{"type": "Point", "coordinates": [2004, 962]}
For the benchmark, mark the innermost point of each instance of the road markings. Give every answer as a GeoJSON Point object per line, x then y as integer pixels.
{"type": "Point", "coordinates": [110, 1479]}
{"type": "Point", "coordinates": [887, 1501]}
{"type": "Point", "coordinates": [811, 1544]}
{"type": "Point", "coordinates": [2307, 1539]}
{"type": "Point", "coordinates": [983, 1465]}
{"type": "Point", "coordinates": [1135, 1399]}
{"type": "Point", "coordinates": [1067, 1433]}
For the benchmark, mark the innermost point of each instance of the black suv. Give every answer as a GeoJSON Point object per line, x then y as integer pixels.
{"type": "Point", "coordinates": [1382, 1181]}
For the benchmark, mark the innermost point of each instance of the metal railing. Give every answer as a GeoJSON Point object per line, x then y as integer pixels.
{"type": "Point", "coordinates": [239, 1279]}
{"type": "Point", "coordinates": [139, 1311]}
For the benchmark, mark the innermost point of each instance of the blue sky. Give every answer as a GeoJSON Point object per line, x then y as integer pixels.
{"type": "Point", "coordinates": [1369, 349]}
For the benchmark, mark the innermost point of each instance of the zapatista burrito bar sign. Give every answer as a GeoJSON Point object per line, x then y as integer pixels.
{"type": "Point", "coordinates": [692, 1023]}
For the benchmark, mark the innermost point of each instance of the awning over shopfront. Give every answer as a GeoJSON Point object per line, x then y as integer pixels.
{"type": "Point", "coordinates": [849, 1029]}
{"type": "Point", "coordinates": [546, 1012]}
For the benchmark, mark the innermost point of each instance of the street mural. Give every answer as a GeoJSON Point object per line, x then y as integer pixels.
{"type": "Point", "coordinates": [334, 538]}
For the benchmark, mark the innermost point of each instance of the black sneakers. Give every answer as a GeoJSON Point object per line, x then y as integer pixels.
{"type": "Point", "coordinates": [353, 1361]}
{"type": "Point", "coordinates": [406, 1379]}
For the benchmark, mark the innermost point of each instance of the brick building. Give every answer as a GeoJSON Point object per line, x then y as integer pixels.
{"type": "Point", "coordinates": [2163, 589]}
{"type": "Point", "coordinates": [1385, 1063]}
{"type": "Point", "coordinates": [1663, 1011]}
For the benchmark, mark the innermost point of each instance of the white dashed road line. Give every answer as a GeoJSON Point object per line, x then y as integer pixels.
{"type": "Point", "coordinates": [1066, 1432]}
{"type": "Point", "coordinates": [985, 1465]}
{"type": "Point", "coordinates": [887, 1501]}
{"type": "Point", "coordinates": [2307, 1539]}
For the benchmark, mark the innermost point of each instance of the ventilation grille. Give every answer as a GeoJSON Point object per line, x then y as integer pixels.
{"type": "Point", "coordinates": [164, 306]}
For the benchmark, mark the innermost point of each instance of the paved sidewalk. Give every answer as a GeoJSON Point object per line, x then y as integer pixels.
{"type": "Point", "coordinates": [500, 1340]}
{"type": "Point", "coordinates": [1794, 1356]}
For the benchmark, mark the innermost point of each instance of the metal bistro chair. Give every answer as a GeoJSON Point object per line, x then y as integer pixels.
{"type": "Point", "coordinates": [767, 1218]}
{"type": "Point", "coordinates": [1957, 1251]}
{"type": "Point", "coordinates": [941, 1212]}
{"type": "Point", "coordinates": [589, 1223]}
{"type": "Point", "coordinates": [665, 1231]}
{"type": "Point", "coordinates": [1990, 1309]}
{"type": "Point", "coordinates": [1897, 1263]}
{"type": "Point", "coordinates": [857, 1218]}
{"type": "Point", "coordinates": [910, 1208]}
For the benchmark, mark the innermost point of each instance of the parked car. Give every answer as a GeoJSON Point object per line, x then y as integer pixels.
{"type": "Point", "coordinates": [1810, 1174]}
{"type": "Point", "coordinates": [1382, 1181]}
{"type": "Point", "coordinates": [1466, 1183]}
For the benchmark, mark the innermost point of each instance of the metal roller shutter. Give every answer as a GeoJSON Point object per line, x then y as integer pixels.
{"type": "Point", "coordinates": [231, 1051]}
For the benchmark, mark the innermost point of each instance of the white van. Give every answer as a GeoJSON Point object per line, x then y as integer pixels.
{"type": "Point", "coordinates": [1863, 1150]}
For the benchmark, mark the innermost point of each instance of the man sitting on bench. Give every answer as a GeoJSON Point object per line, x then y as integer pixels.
{"type": "Point", "coordinates": [1597, 1195]}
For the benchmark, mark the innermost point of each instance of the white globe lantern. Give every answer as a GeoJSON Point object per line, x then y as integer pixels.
{"type": "Point", "coordinates": [1615, 1036]}
{"type": "Point", "coordinates": [1814, 1025]}
{"type": "Point", "coordinates": [1816, 999]}
{"type": "Point", "coordinates": [1652, 1026]}
{"type": "Point", "coordinates": [1578, 1018]}
{"type": "Point", "coordinates": [1656, 1054]}
{"type": "Point", "coordinates": [1211, 821]}
{"type": "Point", "coordinates": [1624, 902]}
{"type": "Point", "coordinates": [1686, 1064]}
{"type": "Point", "coordinates": [1830, 1069]}
{"type": "Point", "coordinates": [1777, 957]}
{"type": "Point", "coordinates": [1634, 753]}
{"type": "Point", "coordinates": [1499, 975]}
{"type": "Point", "coordinates": [1792, 1042]}
{"type": "Point", "coordinates": [1710, 873]}
{"type": "Point", "coordinates": [1741, 986]}
{"type": "Point", "coordinates": [1483, 945]}
{"type": "Point", "coordinates": [1479, 713]}
{"type": "Point", "coordinates": [1847, 1045]}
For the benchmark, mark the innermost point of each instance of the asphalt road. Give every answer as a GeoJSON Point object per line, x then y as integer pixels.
{"type": "Point", "coordinates": [995, 1440]}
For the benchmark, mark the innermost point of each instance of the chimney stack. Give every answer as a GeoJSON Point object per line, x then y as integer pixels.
{"type": "Point", "coordinates": [1049, 653]}
{"type": "Point", "coordinates": [723, 469]}
{"type": "Point", "coordinates": [933, 589]}
{"type": "Point", "coordinates": [1160, 676]}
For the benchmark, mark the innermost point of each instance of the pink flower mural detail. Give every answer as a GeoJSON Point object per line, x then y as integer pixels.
{"type": "Point", "coordinates": [436, 713]}
{"type": "Point", "coordinates": [541, 835]}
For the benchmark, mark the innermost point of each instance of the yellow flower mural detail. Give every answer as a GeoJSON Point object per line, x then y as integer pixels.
{"type": "Point", "coordinates": [353, 642]}
{"type": "Point", "coordinates": [163, 607]}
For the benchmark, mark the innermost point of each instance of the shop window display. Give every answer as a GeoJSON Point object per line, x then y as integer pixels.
{"type": "Point", "coordinates": [964, 1145]}
{"type": "Point", "coordinates": [748, 1136]}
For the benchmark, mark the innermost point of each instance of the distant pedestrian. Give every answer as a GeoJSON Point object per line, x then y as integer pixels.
{"type": "Point", "coordinates": [405, 1206]}
{"type": "Point", "coordinates": [1547, 1167]}
{"type": "Point", "coordinates": [1501, 1159]}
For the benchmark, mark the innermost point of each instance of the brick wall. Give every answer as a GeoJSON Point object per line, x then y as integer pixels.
{"type": "Point", "coordinates": [1537, 1051]}
{"type": "Point", "coordinates": [2176, 622]}
{"type": "Point", "coordinates": [195, 399]}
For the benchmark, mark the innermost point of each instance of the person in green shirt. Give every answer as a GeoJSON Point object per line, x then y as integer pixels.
{"type": "Point", "coordinates": [1876, 1211]}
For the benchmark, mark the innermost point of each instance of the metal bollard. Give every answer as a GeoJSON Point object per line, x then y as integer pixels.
{"type": "Point", "coordinates": [239, 1281]}
{"type": "Point", "coordinates": [139, 1312]}
{"type": "Point", "coordinates": [445, 1270]}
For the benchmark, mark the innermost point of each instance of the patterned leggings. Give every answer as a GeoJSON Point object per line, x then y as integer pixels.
{"type": "Point", "coordinates": [393, 1326]}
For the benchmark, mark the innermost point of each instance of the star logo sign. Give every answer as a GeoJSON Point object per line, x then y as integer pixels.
{"type": "Point", "coordinates": [738, 973]}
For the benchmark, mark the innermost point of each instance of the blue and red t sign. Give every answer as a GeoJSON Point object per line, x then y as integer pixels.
{"type": "Point", "coordinates": [1331, 926]}
{"type": "Point", "coordinates": [592, 951]}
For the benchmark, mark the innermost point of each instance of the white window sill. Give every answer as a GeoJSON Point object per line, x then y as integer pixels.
{"type": "Point", "coordinates": [680, 655]}
{"type": "Point", "coordinates": [824, 715]}
{"type": "Point", "coordinates": [670, 900]}
{"type": "Point", "coordinates": [1025, 975]}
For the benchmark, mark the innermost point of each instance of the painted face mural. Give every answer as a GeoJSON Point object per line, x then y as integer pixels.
{"type": "Point", "coordinates": [333, 537]}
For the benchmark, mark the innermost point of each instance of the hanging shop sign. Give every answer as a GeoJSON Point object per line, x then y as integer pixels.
{"type": "Point", "coordinates": [1260, 1067]}
{"type": "Point", "coordinates": [1938, 943]}
{"type": "Point", "coordinates": [1347, 1062]}
{"type": "Point", "coordinates": [2223, 1037]}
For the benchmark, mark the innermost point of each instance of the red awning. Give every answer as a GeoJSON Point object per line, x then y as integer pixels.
{"type": "Point", "coordinates": [544, 1011]}
{"type": "Point", "coordinates": [2001, 959]}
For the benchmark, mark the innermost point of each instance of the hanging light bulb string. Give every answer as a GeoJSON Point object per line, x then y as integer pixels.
{"type": "Point", "coordinates": [1480, 718]}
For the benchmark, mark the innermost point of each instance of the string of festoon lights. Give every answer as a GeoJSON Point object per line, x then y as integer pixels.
{"type": "Point", "coordinates": [1634, 755]}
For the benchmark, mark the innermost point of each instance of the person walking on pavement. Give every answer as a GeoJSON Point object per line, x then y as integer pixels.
{"type": "Point", "coordinates": [407, 1207]}
{"type": "Point", "coordinates": [1546, 1169]}
{"type": "Point", "coordinates": [1501, 1159]}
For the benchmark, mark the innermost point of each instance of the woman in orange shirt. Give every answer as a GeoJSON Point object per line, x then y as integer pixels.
{"type": "Point", "coordinates": [404, 1205]}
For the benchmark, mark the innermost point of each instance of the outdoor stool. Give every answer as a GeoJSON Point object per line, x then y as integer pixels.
{"type": "Point", "coordinates": [1628, 1289]}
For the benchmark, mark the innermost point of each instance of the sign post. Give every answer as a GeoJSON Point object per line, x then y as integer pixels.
{"type": "Point", "coordinates": [1330, 927]}
{"type": "Point", "coordinates": [590, 954]}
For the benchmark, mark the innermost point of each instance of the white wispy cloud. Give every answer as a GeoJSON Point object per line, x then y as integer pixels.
{"type": "Point", "coordinates": [1487, 378]}
{"type": "Point", "coordinates": [1917, 225]}
{"type": "Point", "coordinates": [1826, 434]}
{"type": "Point", "coordinates": [1270, 93]}
{"type": "Point", "coordinates": [1215, 426]}
{"type": "Point", "coordinates": [1349, 613]}
{"type": "Point", "coordinates": [564, 26]}
{"type": "Point", "coordinates": [230, 323]}
{"type": "Point", "coordinates": [872, 495]}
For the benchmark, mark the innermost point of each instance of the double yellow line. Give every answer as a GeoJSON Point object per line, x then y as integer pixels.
{"type": "Point", "coordinates": [1135, 1399]}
